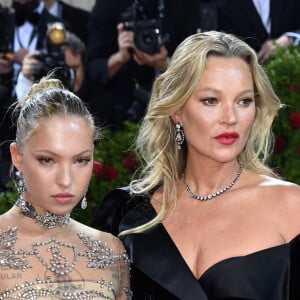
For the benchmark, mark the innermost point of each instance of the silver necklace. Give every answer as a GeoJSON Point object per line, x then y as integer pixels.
{"type": "Point", "coordinates": [49, 220]}
{"type": "Point", "coordinates": [213, 195]}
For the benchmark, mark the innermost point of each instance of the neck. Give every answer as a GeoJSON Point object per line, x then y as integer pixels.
{"type": "Point", "coordinates": [45, 218]}
{"type": "Point", "coordinates": [211, 195]}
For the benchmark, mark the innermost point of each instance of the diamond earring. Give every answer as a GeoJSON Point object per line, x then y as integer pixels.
{"type": "Point", "coordinates": [21, 188]}
{"type": "Point", "coordinates": [179, 136]}
{"type": "Point", "coordinates": [84, 202]}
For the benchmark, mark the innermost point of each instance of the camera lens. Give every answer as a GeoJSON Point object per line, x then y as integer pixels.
{"type": "Point", "coordinates": [148, 40]}
{"type": "Point", "coordinates": [149, 37]}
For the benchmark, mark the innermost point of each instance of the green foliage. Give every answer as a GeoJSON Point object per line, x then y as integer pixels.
{"type": "Point", "coordinates": [8, 198]}
{"type": "Point", "coordinates": [283, 70]}
{"type": "Point", "coordinates": [114, 166]}
{"type": "Point", "coordinates": [115, 151]}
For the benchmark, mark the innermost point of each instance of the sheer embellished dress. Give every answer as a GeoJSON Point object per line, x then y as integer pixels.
{"type": "Point", "coordinates": [74, 262]}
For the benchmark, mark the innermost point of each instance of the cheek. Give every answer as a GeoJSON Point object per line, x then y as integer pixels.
{"type": "Point", "coordinates": [35, 180]}
{"type": "Point", "coordinates": [199, 119]}
{"type": "Point", "coordinates": [248, 121]}
{"type": "Point", "coordinates": [250, 117]}
{"type": "Point", "coordinates": [197, 126]}
{"type": "Point", "coordinates": [88, 175]}
{"type": "Point", "coordinates": [82, 176]}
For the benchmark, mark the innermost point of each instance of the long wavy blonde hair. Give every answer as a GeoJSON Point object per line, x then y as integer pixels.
{"type": "Point", "coordinates": [162, 162]}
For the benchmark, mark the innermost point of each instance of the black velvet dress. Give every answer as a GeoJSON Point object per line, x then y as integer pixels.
{"type": "Point", "coordinates": [159, 271]}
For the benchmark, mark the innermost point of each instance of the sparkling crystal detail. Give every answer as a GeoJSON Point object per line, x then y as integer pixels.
{"type": "Point", "coordinates": [55, 284]}
{"type": "Point", "coordinates": [48, 220]}
{"type": "Point", "coordinates": [215, 194]}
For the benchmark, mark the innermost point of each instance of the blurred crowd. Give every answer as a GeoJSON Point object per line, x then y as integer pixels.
{"type": "Point", "coordinates": [110, 55]}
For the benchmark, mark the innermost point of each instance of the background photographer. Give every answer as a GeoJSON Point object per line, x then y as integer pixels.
{"type": "Point", "coordinates": [73, 51]}
{"type": "Point", "coordinates": [120, 72]}
{"type": "Point", "coordinates": [30, 21]}
{"type": "Point", "coordinates": [70, 15]}
{"type": "Point", "coordinates": [267, 24]}
{"type": "Point", "coordinates": [23, 27]}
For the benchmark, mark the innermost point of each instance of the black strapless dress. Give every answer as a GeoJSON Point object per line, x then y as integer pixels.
{"type": "Point", "coordinates": [160, 272]}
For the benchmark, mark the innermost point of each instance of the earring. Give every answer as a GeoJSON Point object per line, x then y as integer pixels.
{"type": "Point", "coordinates": [84, 201]}
{"type": "Point", "coordinates": [179, 136]}
{"type": "Point", "coordinates": [21, 188]}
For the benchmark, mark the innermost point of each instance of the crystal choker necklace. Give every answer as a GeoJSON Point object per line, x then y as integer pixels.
{"type": "Point", "coordinates": [218, 193]}
{"type": "Point", "coordinates": [49, 220]}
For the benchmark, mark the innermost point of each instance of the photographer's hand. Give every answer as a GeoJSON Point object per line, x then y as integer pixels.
{"type": "Point", "coordinates": [19, 55]}
{"type": "Point", "coordinates": [158, 61]}
{"type": "Point", "coordinates": [270, 46]}
{"type": "Point", "coordinates": [5, 64]}
{"type": "Point", "coordinates": [120, 58]}
{"type": "Point", "coordinates": [125, 42]}
{"type": "Point", "coordinates": [31, 65]}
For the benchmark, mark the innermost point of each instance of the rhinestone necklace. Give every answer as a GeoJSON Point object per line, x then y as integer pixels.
{"type": "Point", "coordinates": [213, 195]}
{"type": "Point", "coordinates": [49, 220]}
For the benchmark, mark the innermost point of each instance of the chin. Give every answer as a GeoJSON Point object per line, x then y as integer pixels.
{"type": "Point", "coordinates": [60, 212]}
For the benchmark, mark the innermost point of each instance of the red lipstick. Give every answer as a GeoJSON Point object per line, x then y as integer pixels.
{"type": "Point", "coordinates": [227, 138]}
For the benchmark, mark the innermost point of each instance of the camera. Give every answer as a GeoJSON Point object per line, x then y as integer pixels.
{"type": "Point", "coordinates": [52, 56]}
{"type": "Point", "coordinates": [144, 18]}
{"type": "Point", "coordinates": [7, 22]}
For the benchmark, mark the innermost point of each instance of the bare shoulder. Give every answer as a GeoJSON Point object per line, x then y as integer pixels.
{"type": "Point", "coordinates": [268, 187]}
{"type": "Point", "coordinates": [283, 199]}
{"type": "Point", "coordinates": [281, 189]}
{"type": "Point", "coordinates": [6, 220]}
{"type": "Point", "coordinates": [98, 235]}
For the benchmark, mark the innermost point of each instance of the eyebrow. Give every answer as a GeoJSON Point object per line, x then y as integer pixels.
{"type": "Point", "coordinates": [212, 89]}
{"type": "Point", "coordinates": [87, 151]}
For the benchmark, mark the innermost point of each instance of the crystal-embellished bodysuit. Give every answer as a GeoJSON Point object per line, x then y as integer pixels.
{"type": "Point", "coordinates": [54, 267]}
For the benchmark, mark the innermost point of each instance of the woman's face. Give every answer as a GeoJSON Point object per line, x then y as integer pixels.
{"type": "Point", "coordinates": [56, 162]}
{"type": "Point", "coordinates": [218, 116]}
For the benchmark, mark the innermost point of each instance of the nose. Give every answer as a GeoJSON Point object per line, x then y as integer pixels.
{"type": "Point", "coordinates": [228, 114]}
{"type": "Point", "coordinates": [64, 175]}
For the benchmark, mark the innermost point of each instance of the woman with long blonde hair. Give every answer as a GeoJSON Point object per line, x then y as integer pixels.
{"type": "Point", "coordinates": [208, 218]}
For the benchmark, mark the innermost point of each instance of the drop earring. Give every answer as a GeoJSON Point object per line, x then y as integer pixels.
{"type": "Point", "coordinates": [21, 188]}
{"type": "Point", "coordinates": [84, 201]}
{"type": "Point", "coordinates": [179, 136]}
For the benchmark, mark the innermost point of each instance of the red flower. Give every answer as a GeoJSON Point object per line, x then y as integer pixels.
{"type": "Point", "coordinates": [293, 88]}
{"type": "Point", "coordinates": [280, 143]}
{"type": "Point", "coordinates": [97, 167]}
{"type": "Point", "coordinates": [295, 120]}
{"type": "Point", "coordinates": [129, 161]}
{"type": "Point", "coordinates": [111, 173]}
